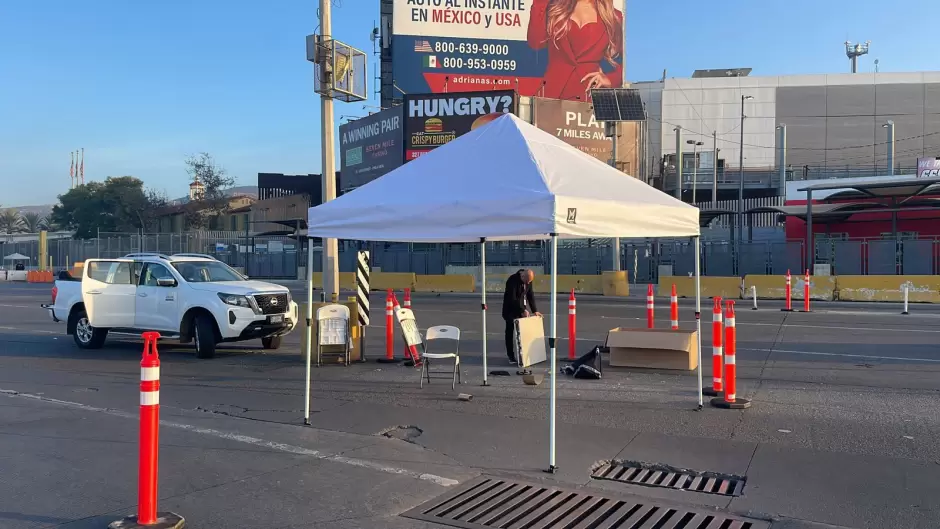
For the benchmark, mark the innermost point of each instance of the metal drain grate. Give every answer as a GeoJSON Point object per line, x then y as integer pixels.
{"type": "Point", "coordinates": [488, 502]}
{"type": "Point", "coordinates": [648, 475]}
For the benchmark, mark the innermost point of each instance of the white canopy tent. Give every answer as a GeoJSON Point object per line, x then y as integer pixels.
{"type": "Point", "coordinates": [507, 180]}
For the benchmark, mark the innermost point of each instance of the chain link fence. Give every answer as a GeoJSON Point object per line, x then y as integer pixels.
{"type": "Point", "coordinates": [284, 257]}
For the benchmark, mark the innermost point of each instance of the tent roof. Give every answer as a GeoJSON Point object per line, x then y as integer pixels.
{"type": "Point", "coordinates": [16, 257]}
{"type": "Point", "coordinates": [506, 180]}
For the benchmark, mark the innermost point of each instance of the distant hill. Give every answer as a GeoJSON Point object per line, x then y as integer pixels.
{"type": "Point", "coordinates": [44, 210]}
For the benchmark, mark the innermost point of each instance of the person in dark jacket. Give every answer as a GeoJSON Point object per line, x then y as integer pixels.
{"type": "Point", "coordinates": [518, 302]}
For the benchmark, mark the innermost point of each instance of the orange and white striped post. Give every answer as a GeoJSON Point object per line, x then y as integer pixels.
{"type": "Point", "coordinates": [806, 292]}
{"type": "Point", "coordinates": [572, 326]}
{"type": "Point", "coordinates": [674, 309]}
{"type": "Point", "coordinates": [717, 350]}
{"type": "Point", "coordinates": [389, 330]}
{"type": "Point", "coordinates": [650, 305]}
{"type": "Point", "coordinates": [149, 444]}
{"type": "Point", "coordinates": [407, 301]}
{"type": "Point", "coordinates": [789, 295]}
{"type": "Point", "coordinates": [730, 399]}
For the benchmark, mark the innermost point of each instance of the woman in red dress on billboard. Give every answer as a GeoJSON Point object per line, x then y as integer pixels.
{"type": "Point", "coordinates": [581, 37]}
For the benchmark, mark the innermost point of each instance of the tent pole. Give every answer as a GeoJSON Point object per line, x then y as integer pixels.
{"type": "Point", "coordinates": [483, 301]}
{"type": "Point", "coordinates": [309, 328]}
{"type": "Point", "coordinates": [551, 351]}
{"type": "Point", "coordinates": [698, 311]}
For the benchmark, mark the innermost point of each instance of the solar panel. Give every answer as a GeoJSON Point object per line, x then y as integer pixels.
{"type": "Point", "coordinates": [618, 104]}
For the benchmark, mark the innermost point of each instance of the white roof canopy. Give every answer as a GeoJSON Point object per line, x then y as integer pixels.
{"type": "Point", "coordinates": [507, 180]}
{"type": "Point", "coordinates": [16, 257]}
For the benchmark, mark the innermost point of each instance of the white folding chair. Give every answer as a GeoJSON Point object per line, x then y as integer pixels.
{"type": "Point", "coordinates": [441, 332]}
{"type": "Point", "coordinates": [333, 330]}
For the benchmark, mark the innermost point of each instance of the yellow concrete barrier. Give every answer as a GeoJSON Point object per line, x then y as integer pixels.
{"type": "Point", "coordinates": [347, 280]}
{"type": "Point", "coordinates": [921, 289]}
{"type": "Point", "coordinates": [392, 280]}
{"type": "Point", "coordinates": [821, 288]}
{"type": "Point", "coordinates": [582, 284]}
{"type": "Point", "coordinates": [726, 287]}
{"type": "Point", "coordinates": [615, 283]}
{"type": "Point", "coordinates": [444, 283]}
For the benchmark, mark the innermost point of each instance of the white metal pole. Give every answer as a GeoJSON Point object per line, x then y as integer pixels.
{"type": "Point", "coordinates": [754, 295]}
{"type": "Point", "coordinates": [906, 294]}
{"type": "Point", "coordinates": [309, 329]}
{"type": "Point", "coordinates": [483, 302]}
{"type": "Point", "coordinates": [698, 312]}
{"type": "Point", "coordinates": [551, 345]}
{"type": "Point", "coordinates": [328, 175]}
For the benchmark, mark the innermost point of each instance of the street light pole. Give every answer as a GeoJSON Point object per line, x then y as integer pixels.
{"type": "Point", "coordinates": [695, 145]}
{"type": "Point", "coordinates": [741, 174]}
{"type": "Point", "coordinates": [890, 143]}
{"type": "Point", "coordinates": [328, 176]}
{"type": "Point", "coordinates": [715, 169]}
{"type": "Point", "coordinates": [678, 162]}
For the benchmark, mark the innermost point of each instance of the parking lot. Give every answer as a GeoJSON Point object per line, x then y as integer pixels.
{"type": "Point", "coordinates": [843, 428]}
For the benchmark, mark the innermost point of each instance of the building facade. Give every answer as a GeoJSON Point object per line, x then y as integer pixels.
{"type": "Point", "coordinates": [834, 126]}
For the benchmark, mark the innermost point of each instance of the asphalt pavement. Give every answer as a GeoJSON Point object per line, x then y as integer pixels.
{"type": "Point", "coordinates": [843, 429]}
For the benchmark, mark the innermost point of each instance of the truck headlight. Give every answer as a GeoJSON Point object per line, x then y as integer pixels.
{"type": "Point", "coordinates": [235, 300]}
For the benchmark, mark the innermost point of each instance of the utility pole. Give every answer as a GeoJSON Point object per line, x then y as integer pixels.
{"type": "Point", "coordinates": [328, 174]}
{"type": "Point", "coordinates": [678, 162]}
{"type": "Point", "coordinates": [715, 169]}
{"type": "Point", "coordinates": [741, 173]}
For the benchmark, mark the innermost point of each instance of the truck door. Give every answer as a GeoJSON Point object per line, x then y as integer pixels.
{"type": "Point", "coordinates": [157, 299]}
{"type": "Point", "coordinates": [109, 290]}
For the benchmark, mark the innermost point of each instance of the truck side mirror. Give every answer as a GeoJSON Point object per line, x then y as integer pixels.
{"type": "Point", "coordinates": [166, 282]}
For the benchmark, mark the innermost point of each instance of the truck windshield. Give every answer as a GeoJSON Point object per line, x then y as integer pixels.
{"type": "Point", "coordinates": [206, 271]}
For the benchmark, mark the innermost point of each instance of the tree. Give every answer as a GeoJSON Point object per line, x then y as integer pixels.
{"type": "Point", "coordinates": [118, 204]}
{"type": "Point", "coordinates": [33, 222]}
{"type": "Point", "coordinates": [10, 221]}
{"type": "Point", "coordinates": [216, 181]}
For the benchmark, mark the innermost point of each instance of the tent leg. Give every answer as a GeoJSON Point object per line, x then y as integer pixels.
{"type": "Point", "coordinates": [483, 302]}
{"type": "Point", "coordinates": [309, 329]}
{"type": "Point", "coordinates": [552, 468]}
{"type": "Point", "coordinates": [698, 311]}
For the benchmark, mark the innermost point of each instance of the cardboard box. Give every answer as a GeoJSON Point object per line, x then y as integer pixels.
{"type": "Point", "coordinates": [653, 348]}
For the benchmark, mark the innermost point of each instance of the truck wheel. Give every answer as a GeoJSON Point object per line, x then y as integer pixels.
{"type": "Point", "coordinates": [204, 337]}
{"type": "Point", "coordinates": [271, 342]}
{"type": "Point", "coordinates": [86, 336]}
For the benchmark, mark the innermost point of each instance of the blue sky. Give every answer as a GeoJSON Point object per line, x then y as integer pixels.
{"type": "Point", "coordinates": [141, 85]}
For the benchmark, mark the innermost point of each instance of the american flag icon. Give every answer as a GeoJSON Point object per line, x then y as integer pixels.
{"type": "Point", "coordinates": [423, 46]}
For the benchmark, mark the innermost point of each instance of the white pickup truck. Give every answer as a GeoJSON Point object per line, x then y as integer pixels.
{"type": "Point", "coordinates": [188, 296]}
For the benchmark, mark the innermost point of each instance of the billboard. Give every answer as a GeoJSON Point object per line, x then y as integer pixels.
{"type": "Point", "coordinates": [431, 120]}
{"type": "Point", "coordinates": [558, 49]}
{"type": "Point", "coordinates": [370, 147]}
{"type": "Point", "coordinates": [928, 167]}
{"type": "Point", "coordinates": [573, 122]}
